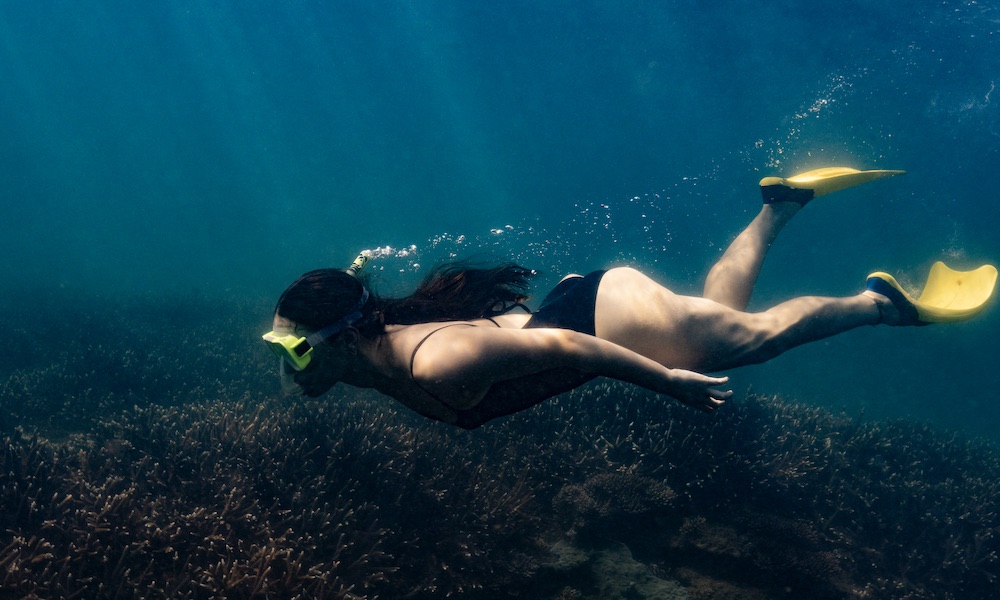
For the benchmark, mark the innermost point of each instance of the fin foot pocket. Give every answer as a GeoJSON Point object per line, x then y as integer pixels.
{"type": "Point", "coordinates": [948, 296]}
{"type": "Point", "coordinates": [804, 187]}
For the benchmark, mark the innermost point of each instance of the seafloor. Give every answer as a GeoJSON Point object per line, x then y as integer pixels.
{"type": "Point", "coordinates": [147, 454]}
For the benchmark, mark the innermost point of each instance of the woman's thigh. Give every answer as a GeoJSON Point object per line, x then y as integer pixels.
{"type": "Point", "coordinates": [677, 331]}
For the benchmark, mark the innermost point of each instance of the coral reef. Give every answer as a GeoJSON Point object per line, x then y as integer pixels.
{"type": "Point", "coordinates": [614, 494]}
{"type": "Point", "coordinates": [775, 498]}
{"type": "Point", "coordinates": [158, 460]}
{"type": "Point", "coordinates": [607, 574]}
{"type": "Point", "coordinates": [255, 501]}
{"type": "Point", "coordinates": [175, 503]}
{"type": "Point", "coordinates": [625, 502]}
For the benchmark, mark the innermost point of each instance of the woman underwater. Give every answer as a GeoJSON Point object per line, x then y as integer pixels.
{"type": "Point", "coordinates": [454, 352]}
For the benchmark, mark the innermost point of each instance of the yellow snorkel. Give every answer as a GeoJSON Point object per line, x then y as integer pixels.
{"type": "Point", "coordinates": [359, 264]}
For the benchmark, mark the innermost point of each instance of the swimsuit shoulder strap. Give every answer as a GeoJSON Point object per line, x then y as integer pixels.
{"type": "Point", "coordinates": [413, 355]}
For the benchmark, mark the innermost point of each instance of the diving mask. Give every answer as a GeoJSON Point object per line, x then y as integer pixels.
{"type": "Point", "coordinates": [297, 351]}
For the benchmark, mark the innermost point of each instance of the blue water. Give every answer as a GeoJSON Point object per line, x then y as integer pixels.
{"type": "Point", "coordinates": [226, 147]}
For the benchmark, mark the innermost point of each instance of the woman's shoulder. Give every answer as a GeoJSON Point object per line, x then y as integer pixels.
{"type": "Point", "coordinates": [508, 321]}
{"type": "Point", "coordinates": [445, 343]}
{"type": "Point", "coordinates": [408, 339]}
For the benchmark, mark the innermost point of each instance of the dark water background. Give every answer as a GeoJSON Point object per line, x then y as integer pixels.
{"type": "Point", "coordinates": [223, 148]}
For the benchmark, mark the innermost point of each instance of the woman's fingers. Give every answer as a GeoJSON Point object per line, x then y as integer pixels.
{"type": "Point", "coordinates": [701, 391]}
{"type": "Point", "coordinates": [716, 397]}
{"type": "Point", "coordinates": [721, 395]}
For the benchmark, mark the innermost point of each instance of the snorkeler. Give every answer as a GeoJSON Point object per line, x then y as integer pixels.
{"type": "Point", "coordinates": [454, 351]}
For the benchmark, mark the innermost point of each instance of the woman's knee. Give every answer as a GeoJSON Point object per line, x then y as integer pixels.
{"type": "Point", "coordinates": [749, 339]}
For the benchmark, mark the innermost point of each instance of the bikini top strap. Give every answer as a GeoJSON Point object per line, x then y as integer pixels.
{"type": "Point", "coordinates": [414, 355]}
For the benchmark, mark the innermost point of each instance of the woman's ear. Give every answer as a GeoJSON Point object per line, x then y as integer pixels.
{"type": "Point", "coordinates": [350, 338]}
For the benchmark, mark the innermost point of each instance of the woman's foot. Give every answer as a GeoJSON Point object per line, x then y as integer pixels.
{"type": "Point", "coordinates": [894, 308]}
{"type": "Point", "coordinates": [803, 187]}
{"type": "Point", "coordinates": [886, 313]}
{"type": "Point", "coordinates": [774, 191]}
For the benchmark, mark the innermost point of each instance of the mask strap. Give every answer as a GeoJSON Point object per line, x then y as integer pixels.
{"type": "Point", "coordinates": [331, 330]}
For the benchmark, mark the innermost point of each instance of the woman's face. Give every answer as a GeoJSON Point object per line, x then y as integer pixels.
{"type": "Point", "coordinates": [324, 370]}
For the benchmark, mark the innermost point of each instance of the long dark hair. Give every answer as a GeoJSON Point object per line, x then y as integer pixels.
{"type": "Point", "coordinates": [450, 292]}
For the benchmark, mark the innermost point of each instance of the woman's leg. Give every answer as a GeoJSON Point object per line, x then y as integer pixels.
{"type": "Point", "coordinates": [735, 339]}
{"type": "Point", "coordinates": [704, 335]}
{"type": "Point", "coordinates": [731, 280]}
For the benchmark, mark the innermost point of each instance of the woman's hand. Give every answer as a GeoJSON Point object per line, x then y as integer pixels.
{"type": "Point", "coordinates": [697, 390]}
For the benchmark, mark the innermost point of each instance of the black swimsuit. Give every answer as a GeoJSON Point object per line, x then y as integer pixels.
{"type": "Point", "coordinates": [570, 305]}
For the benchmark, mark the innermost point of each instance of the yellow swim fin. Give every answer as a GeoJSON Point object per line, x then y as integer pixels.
{"type": "Point", "coordinates": [947, 297]}
{"type": "Point", "coordinates": [804, 187]}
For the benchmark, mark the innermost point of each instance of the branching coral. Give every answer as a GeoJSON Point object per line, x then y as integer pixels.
{"type": "Point", "coordinates": [172, 503]}
{"type": "Point", "coordinates": [616, 500]}
{"type": "Point", "coordinates": [261, 500]}
{"type": "Point", "coordinates": [882, 510]}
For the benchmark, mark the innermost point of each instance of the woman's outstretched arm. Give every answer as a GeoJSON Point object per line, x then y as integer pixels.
{"type": "Point", "coordinates": [463, 363]}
